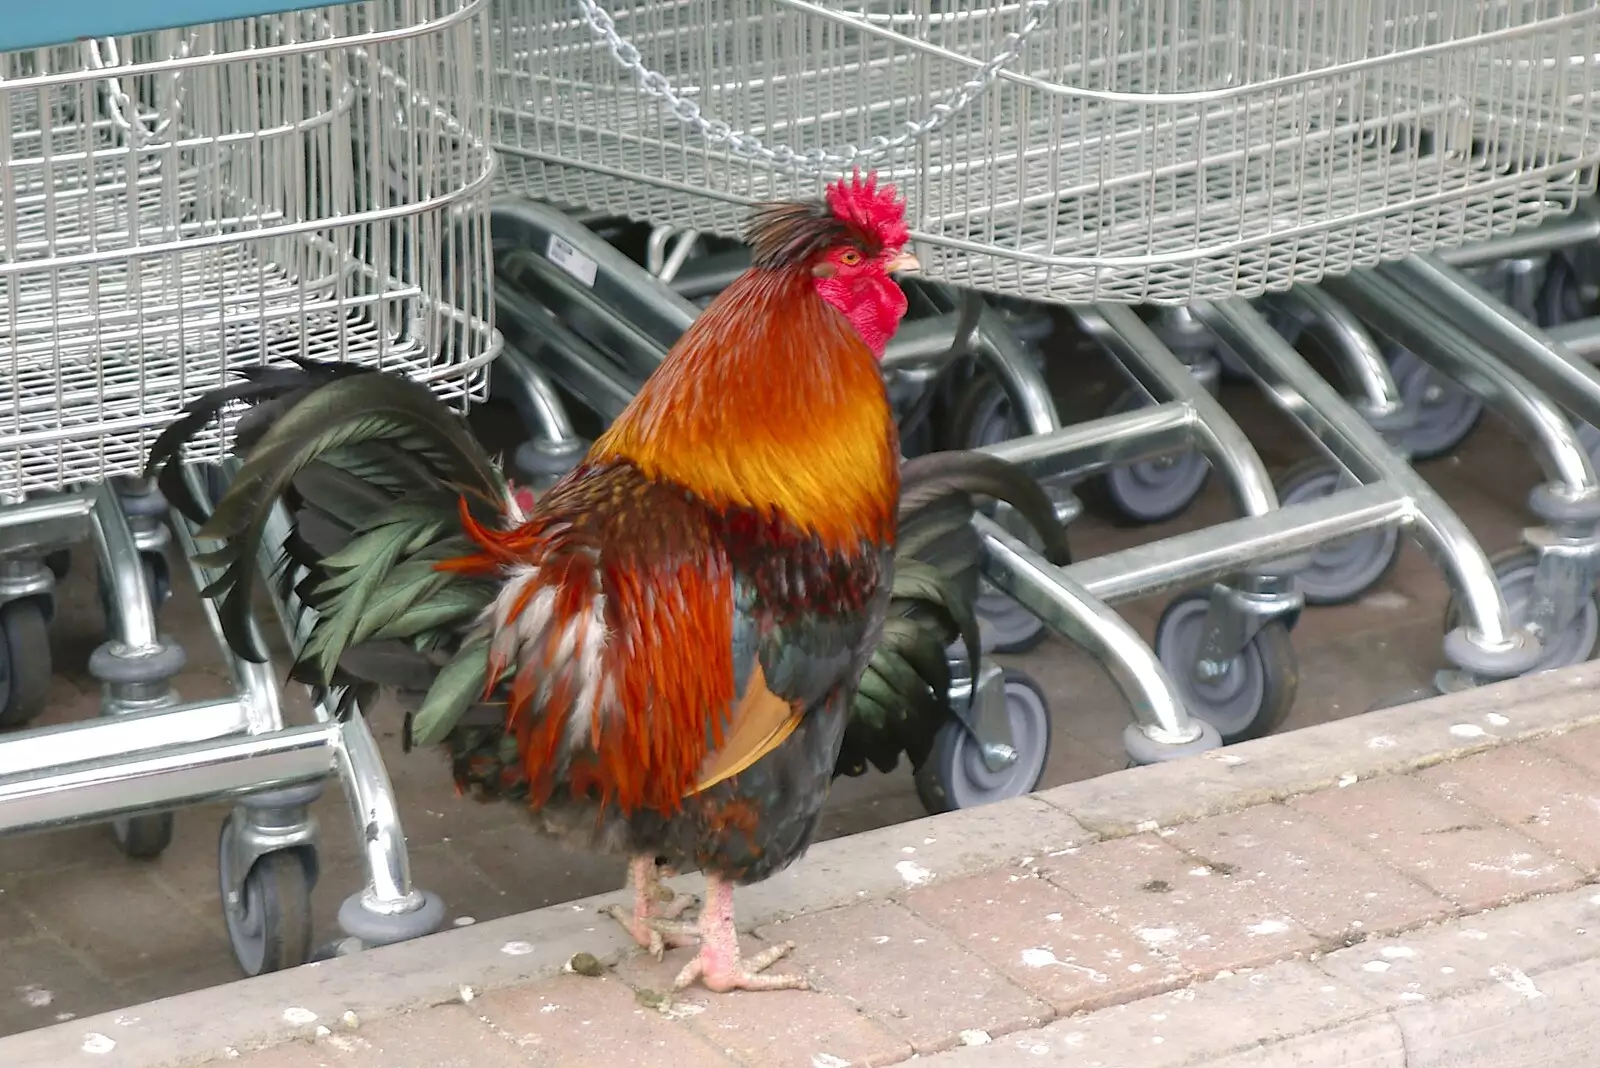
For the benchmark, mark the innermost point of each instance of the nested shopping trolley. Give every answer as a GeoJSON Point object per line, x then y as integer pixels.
{"type": "Point", "coordinates": [268, 180]}
{"type": "Point", "coordinates": [1213, 160]}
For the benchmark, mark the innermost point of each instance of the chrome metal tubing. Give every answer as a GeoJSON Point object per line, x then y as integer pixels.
{"type": "Point", "coordinates": [656, 309]}
{"type": "Point", "coordinates": [168, 778]}
{"type": "Point", "coordinates": [1213, 553]}
{"type": "Point", "coordinates": [595, 379]}
{"type": "Point", "coordinates": [1581, 337]}
{"type": "Point", "coordinates": [131, 621]}
{"type": "Point", "coordinates": [1341, 334]}
{"type": "Point", "coordinates": [1083, 449]}
{"type": "Point", "coordinates": [1077, 615]}
{"type": "Point", "coordinates": [1557, 233]}
{"type": "Point", "coordinates": [1440, 335]}
{"type": "Point", "coordinates": [998, 347]}
{"type": "Point", "coordinates": [1529, 351]}
{"type": "Point", "coordinates": [42, 748]}
{"type": "Point", "coordinates": [534, 397]}
{"type": "Point", "coordinates": [1118, 328]}
{"type": "Point", "coordinates": [1291, 383]}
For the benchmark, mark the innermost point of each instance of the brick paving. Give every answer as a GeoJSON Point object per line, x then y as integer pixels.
{"type": "Point", "coordinates": [1399, 918]}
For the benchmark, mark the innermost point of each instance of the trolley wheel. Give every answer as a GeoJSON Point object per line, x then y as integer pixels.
{"type": "Point", "coordinates": [1004, 625]}
{"type": "Point", "coordinates": [954, 774]}
{"type": "Point", "coordinates": [981, 416]}
{"type": "Point", "coordinates": [270, 925]}
{"type": "Point", "coordinates": [143, 837]}
{"type": "Point", "coordinates": [1514, 568]}
{"type": "Point", "coordinates": [26, 671]}
{"type": "Point", "coordinates": [1255, 690]}
{"type": "Point", "coordinates": [157, 577]}
{"type": "Point", "coordinates": [1146, 491]}
{"type": "Point", "coordinates": [1446, 413]}
{"type": "Point", "coordinates": [1340, 571]}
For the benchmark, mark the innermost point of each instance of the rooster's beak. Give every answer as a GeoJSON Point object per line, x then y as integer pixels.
{"type": "Point", "coordinates": [904, 262]}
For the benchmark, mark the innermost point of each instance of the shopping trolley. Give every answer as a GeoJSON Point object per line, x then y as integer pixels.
{"type": "Point", "coordinates": [277, 180]}
{"type": "Point", "coordinates": [1191, 156]}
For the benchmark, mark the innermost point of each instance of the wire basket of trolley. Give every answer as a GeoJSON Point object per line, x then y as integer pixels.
{"type": "Point", "coordinates": [266, 181]}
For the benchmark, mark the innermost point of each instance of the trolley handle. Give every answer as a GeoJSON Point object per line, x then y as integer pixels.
{"type": "Point", "coordinates": [817, 161]}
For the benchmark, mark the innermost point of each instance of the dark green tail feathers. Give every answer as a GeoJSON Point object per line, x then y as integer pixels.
{"type": "Point", "coordinates": [903, 699]}
{"type": "Point", "coordinates": [371, 468]}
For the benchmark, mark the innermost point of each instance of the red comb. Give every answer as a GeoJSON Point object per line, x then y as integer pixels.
{"type": "Point", "coordinates": [874, 208]}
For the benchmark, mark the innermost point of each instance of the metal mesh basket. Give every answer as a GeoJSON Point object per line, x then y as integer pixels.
{"type": "Point", "coordinates": [1069, 149]}
{"type": "Point", "coordinates": [177, 203]}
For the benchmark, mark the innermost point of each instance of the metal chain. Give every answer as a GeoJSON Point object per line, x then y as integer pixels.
{"type": "Point", "coordinates": [816, 161]}
{"type": "Point", "coordinates": [120, 105]}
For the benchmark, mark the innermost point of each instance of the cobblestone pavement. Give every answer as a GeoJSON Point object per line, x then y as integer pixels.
{"type": "Point", "coordinates": [1431, 904]}
{"type": "Point", "coordinates": [84, 930]}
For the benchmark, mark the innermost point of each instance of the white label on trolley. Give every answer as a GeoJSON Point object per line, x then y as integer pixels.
{"type": "Point", "coordinates": [569, 259]}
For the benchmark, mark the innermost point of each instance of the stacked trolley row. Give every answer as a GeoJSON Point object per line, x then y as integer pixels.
{"type": "Point", "coordinates": [1218, 159]}
{"type": "Point", "coordinates": [265, 184]}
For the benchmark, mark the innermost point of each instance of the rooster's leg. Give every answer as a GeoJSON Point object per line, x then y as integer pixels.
{"type": "Point", "coordinates": [718, 964]}
{"type": "Point", "coordinates": [652, 902]}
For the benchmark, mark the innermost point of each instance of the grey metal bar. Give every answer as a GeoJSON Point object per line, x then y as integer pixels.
{"type": "Point", "coordinates": [534, 397]}
{"type": "Point", "coordinates": [1581, 337]}
{"type": "Point", "coordinates": [1348, 440]}
{"type": "Point", "coordinates": [1213, 553]}
{"type": "Point", "coordinates": [170, 778]}
{"type": "Point", "coordinates": [1411, 319]}
{"type": "Point", "coordinates": [1341, 333]}
{"type": "Point", "coordinates": [132, 621]}
{"type": "Point", "coordinates": [1083, 449]}
{"type": "Point", "coordinates": [41, 748]}
{"type": "Point", "coordinates": [1067, 609]}
{"type": "Point", "coordinates": [1125, 335]}
{"type": "Point", "coordinates": [1503, 331]}
{"type": "Point", "coordinates": [654, 308]}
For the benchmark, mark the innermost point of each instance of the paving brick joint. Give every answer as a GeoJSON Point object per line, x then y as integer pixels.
{"type": "Point", "coordinates": [1395, 889]}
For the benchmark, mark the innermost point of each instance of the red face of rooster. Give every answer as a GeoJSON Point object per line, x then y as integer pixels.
{"type": "Point", "coordinates": [852, 274]}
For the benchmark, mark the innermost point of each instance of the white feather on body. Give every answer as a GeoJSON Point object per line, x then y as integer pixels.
{"type": "Point", "coordinates": [579, 647]}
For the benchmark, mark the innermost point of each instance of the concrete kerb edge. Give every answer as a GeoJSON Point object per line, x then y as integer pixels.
{"type": "Point", "coordinates": [205, 1025]}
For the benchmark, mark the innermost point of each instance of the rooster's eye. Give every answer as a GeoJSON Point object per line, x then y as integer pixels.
{"type": "Point", "coordinates": [850, 258]}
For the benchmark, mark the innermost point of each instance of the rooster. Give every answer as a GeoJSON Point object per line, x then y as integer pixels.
{"type": "Point", "coordinates": [661, 655]}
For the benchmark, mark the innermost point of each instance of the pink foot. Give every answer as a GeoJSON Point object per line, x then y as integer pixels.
{"type": "Point", "coordinates": [719, 965]}
{"type": "Point", "coordinates": [651, 923]}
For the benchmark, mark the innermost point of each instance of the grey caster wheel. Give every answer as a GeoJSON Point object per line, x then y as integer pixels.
{"type": "Point", "coordinates": [1446, 413]}
{"type": "Point", "coordinates": [1254, 691]}
{"type": "Point", "coordinates": [1515, 568]}
{"type": "Point", "coordinates": [269, 925]}
{"type": "Point", "coordinates": [25, 666]}
{"type": "Point", "coordinates": [1146, 491]}
{"type": "Point", "coordinates": [1340, 571]}
{"type": "Point", "coordinates": [955, 775]}
{"type": "Point", "coordinates": [981, 416]}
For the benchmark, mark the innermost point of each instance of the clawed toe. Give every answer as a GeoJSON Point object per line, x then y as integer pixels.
{"type": "Point", "coordinates": [720, 975]}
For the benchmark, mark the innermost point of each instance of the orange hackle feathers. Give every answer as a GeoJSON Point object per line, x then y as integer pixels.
{"type": "Point", "coordinates": [741, 373]}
